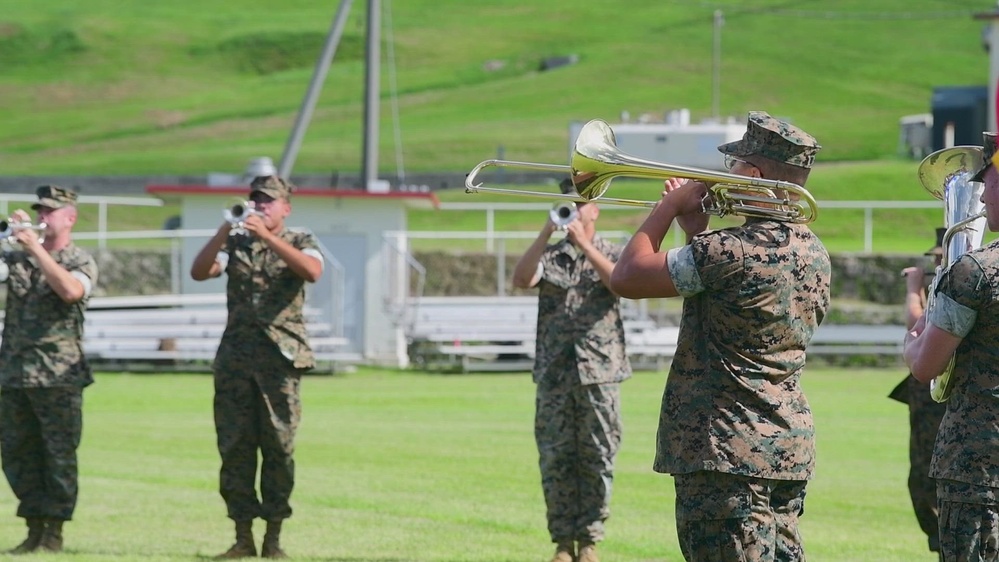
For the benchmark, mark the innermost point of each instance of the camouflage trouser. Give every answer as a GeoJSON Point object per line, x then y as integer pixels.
{"type": "Point", "coordinates": [578, 433]}
{"type": "Point", "coordinates": [924, 420]}
{"type": "Point", "coordinates": [40, 430]}
{"type": "Point", "coordinates": [969, 522]}
{"type": "Point", "coordinates": [729, 518]}
{"type": "Point", "coordinates": [257, 407]}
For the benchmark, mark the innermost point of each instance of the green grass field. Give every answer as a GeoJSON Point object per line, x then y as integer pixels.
{"type": "Point", "coordinates": [411, 466]}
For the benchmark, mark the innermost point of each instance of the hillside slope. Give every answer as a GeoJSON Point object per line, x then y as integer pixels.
{"type": "Point", "coordinates": [131, 87]}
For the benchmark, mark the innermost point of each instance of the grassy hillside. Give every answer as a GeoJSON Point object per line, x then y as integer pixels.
{"type": "Point", "coordinates": [124, 86]}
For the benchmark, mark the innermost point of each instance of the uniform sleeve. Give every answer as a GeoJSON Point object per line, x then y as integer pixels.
{"type": "Point", "coordinates": [719, 259]}
{"type": "Point", "coordinates": [963, 290]}
{"type": "Point", "coordinates": [309, 245]}
{"type": "Point", "coordinates": [683, 271]}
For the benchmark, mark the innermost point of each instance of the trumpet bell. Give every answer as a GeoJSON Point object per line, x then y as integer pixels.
{"type": "Point", "coordinates": [9, 227]}
{"type": "Point", "coordinates": [238, 210]}
{"type": "Point", "coordinates": [563, 213]}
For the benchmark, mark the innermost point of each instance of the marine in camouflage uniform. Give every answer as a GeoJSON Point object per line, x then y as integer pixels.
{"type": "Point", "coordinates": [43, 370]}
{"type": "Point", "coordinates": [261, 358]}
{"type": "Point", "coordinates": [735, 427]}
{"type": "Point", "coordinates": [925, 413]}
{"type": "Point", "coordinates": [963, 322]}
{"type": "Point", "coordinates": [580, 361]}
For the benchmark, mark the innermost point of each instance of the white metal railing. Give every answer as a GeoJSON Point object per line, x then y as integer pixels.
{"type": "Point", "coordinates": [102, 202]}
{"type": "Point", "coordinates": [102, 235]}
{"type": "Point", "coordinates": [331, 304]}
{"type": "Point", "coordinates": [868, 207]}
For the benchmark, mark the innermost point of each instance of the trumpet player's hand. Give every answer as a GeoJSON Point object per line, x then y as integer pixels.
{"type": "Point", "coordinates": [685, 196]}
{"type": "Point", "coordinates": [577, 235]}
{"type": "Point", "coordinates": [26, 237]}
{"type": "Point", "coordinates": [255, 225]}
{"type": "Point", "coordinates": [913, 279]}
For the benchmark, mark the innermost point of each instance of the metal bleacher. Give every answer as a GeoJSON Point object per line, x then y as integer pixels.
{"type": "Point", "coordinates": [498, 334]}
{"type": "Point", "coordinates": [147, 332]}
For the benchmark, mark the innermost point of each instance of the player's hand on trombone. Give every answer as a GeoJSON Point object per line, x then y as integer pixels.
{"type": "Point", "coordinates": [685, 195]}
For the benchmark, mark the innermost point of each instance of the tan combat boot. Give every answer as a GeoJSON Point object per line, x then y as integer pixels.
{"type": "Point", "coordinates": [35, 529]}
{"type": "Point", "coordinates": [272, 541]}
{"type": "Point", "coordinates": [244, 547]}
{"type": "Point", "coordinates": [587, 552]}
{"type": "Point", "coordinates": [52, 536]}
{"type": "Point", "coordinates": [564, 552]}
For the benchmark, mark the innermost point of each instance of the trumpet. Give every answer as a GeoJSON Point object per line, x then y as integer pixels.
{"type": "Point", "coordinates": [563, 213]}
{"type": "Point", "coordinates": [596, 161]}
{"type": "Point", "coordinates": [9, 227]}
{"type": "Point", "coordinates": [238, 211]}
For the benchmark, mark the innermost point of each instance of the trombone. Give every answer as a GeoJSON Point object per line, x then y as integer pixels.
{"type": "Point", "coordinates": [596, 161]}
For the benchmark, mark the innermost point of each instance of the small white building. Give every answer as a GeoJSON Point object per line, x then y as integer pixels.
{"type": "Point", "coordinates": [350, 225]}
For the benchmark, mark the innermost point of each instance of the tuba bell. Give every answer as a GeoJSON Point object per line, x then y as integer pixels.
{"type": "Point", "coordinates": [946, 174]}
{"type": "Point", "coordinates": [596, 161]}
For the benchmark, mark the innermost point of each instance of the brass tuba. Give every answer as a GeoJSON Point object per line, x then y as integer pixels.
{"type": "Point", "coordinates": [596, 161]}
{"type": "Point", "coordinates": [947, 174]}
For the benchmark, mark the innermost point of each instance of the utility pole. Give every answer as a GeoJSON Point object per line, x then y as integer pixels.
{"type": "Point", "coordinates": [372, 74]}
{"type": "Point", "coordinates": [719, 21]}
{"type": "Point", "coordinates": [312, 94]}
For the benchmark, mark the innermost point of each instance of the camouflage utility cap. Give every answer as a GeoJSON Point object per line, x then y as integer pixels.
{"type": "Point", "coordinates": [774, 139]}
{"type": "Point", "coordinates": [54, 197]}
{"type": "Point", "coordinates": [938, 249]}
{"type": "Point", "coordinates": [274, 186]}
{"type": "Point", "coordinates": [566, 187]}
{"type": "Point", "coordinates": [988, 151]}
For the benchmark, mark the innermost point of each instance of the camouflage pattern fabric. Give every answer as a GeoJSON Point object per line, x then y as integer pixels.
{"type": "Point", "coordinates": [264, 295]}
{"type": "Point", "coordinates": [41, 432]}
{"type": "Point", "coordinates": [42, 339]}
{"type": "Point", "coordinates": [967, 445]}
{"type": "Point", "coordinates": [54, 197]}
{"type": "Point", "coordinates": [732, 401]}
{"type": "Point", "coordinates": [988, 151]}
{"type": "Point", "coordinates": [728, 518]}
{"type": "Point", "coordinates": [578, 432]}
{"type": "Point", "coordinates": [42, 375]}
{"type": "Point", "coordinates": [258, 367]}
{"type": "Point", "coordinates": [257, 407]}
{"type": "Point", "coordinates": [579, 364]}
{"type": "Point", "coordinates": [969, 521]}
{"type": "Point", "coordinates": [774, 139]}
{"type": "Point", "coordinates": [924, 421]}
{"type": "Point", "coordinates": [577, 311]}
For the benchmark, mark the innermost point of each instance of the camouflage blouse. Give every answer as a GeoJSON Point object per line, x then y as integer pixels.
{"type": "Point", "coordinates": [579, 318]}
{"type": "Point", "coordinates": [265, 298]}
{"type": "Point", "coordinates": [732, 401]}
{"type": "Point", "coordinates": [43, 335]}
{"type": "Point", "coordinates": [967, 445]}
